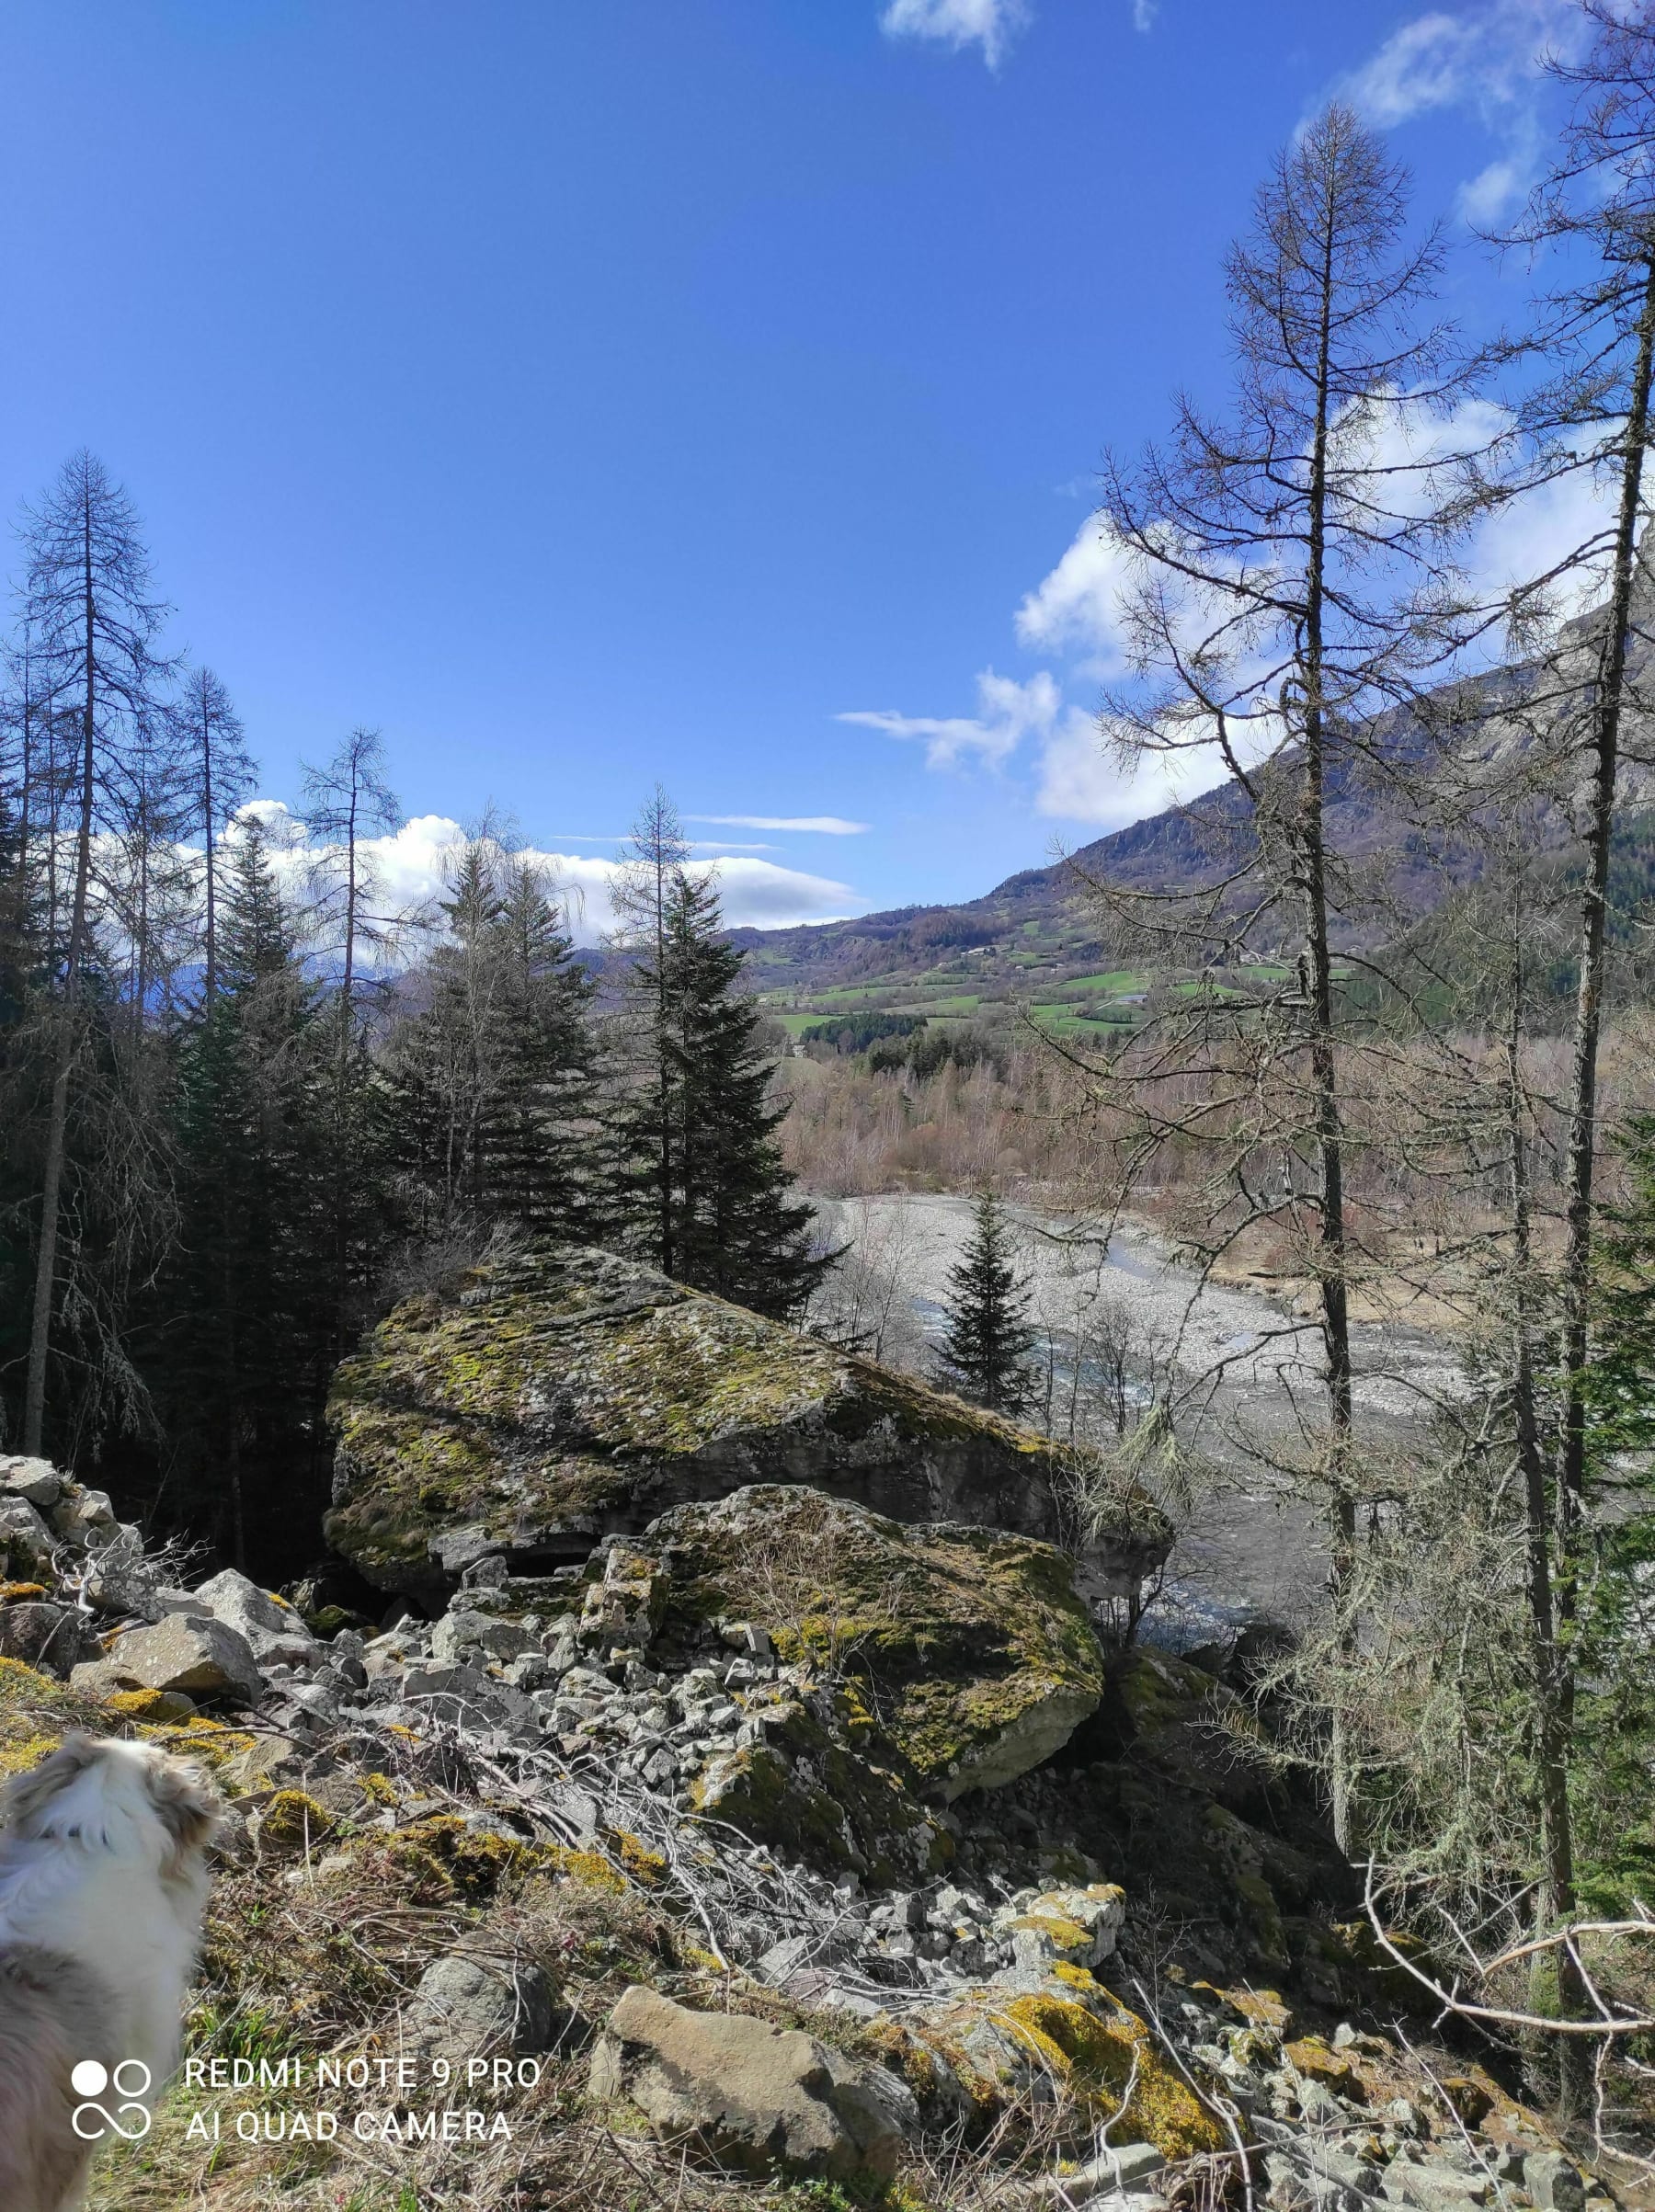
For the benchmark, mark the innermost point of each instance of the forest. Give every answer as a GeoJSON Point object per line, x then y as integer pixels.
{"type": "Point", "coordinates": [246, 1106]}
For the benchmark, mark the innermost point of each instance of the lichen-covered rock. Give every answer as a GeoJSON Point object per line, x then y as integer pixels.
{"type": "Point", "coordinates": [977, 1655]}
{"type": "Point", "coordinates": [1066, 1927]}
{"type": "Point", "coordinates": [746, 2094]}
{"type": "Point", "coordinates": [1074, 2046]}
{"type": "Point", "coordinates": [556, 1395]}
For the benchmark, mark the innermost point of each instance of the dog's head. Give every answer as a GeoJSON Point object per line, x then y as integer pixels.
{"type": "Point", "coordinates": [129, 1799]}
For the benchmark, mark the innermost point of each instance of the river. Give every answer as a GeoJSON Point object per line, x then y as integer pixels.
{"type": "Point", "coordinates": [1240, 1368]}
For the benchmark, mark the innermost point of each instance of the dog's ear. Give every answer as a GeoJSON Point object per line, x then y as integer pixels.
{"type": "Point", "coordinates": [188, 1808]}
{"type": "Point", "coordinates": [23, 1799]}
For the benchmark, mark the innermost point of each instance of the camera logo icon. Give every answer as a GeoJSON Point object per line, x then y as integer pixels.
{"type": "Point", "coordinates": [129, 2080]}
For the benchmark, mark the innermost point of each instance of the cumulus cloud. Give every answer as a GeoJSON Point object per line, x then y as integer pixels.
{"type": "Point", "coordinates": [990, 24]}
{"type": "Point", "coordinates": [1486, 59]}
{"type": "Point", "coordinates": [1007, 711]}
{"type": "Point", "coordinates": [827, 825]}
{"type": "Point", "coordinates": [1081, 780]}
{"type": "Point", "coordinates": [1079, 604]}
{"type": "Point", "coordinates": [412, 863]}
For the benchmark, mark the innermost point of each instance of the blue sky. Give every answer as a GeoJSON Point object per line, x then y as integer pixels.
{"type": "Point", "coordinates": [589, 392]}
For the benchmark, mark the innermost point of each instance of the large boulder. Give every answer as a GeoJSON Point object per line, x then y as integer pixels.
{"type": "Point", "coordinates": [746, 2095]}
{"type": "Point", "coordinates": [37, 1481]}
{"type": "Point", "coordinates": [204, 1658]}
{"type": "Point", "coordinates": [976, 1658]}
{"type": "Point", "coordinates": [556, 1395]}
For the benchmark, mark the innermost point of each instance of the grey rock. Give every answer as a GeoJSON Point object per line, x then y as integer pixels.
{"type": "Point", "coordinates": [83, 1518]}
{"type": "Point", "coordinates": [470, 2006]}
{"type": "Point", "coordinates": [25, 1540]}
{"type": "Point", "coordinates": [204, 1658]}
{"type": "Point", "coordinates": [36, 1481]}
{"type": "Point", "coordinates": [750, 2095]}
{"type": "Point", "coordinates": [1555, 2185]}
{"type": "Point", "coordinates": [460, 1629]}
{"type": "Point", "coordinates": [272, 1630]}
{"type": "Point", "coordinates": [55, 1637]}
{"type": "Point", "coordinates": [1433, 2185]}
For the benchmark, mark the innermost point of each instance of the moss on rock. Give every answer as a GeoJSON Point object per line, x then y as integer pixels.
{"type": "Point", "coordinates": [559, 1394]}
{"type": "Point", "coordinates": [967, 1654]}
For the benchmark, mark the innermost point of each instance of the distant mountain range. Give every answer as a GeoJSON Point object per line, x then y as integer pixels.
{"type": "Point", "coordinates": [1040, 924]}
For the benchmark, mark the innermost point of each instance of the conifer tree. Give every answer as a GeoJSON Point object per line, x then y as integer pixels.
{"type": "Point", "coordinates": [494, 1083]}
{"type": "Point", "coordinates": [723, 1218]}
{"type": "Point", "coordinates": [251, 1346]}
{"type": "Point", "coordinates": [987, 1351]}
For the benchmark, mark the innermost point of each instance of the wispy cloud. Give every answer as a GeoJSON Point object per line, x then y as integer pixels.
{"type": "Point", "coordinates": [990, 24]}
{"type": "Point", "coordinates": [1144, 13]}
{"type": "Point", "coordinates": [1007, 711]}
{"type": "Point", "coordinates": [1487, 60]}
{"type": "Point", "coordinates": [826, 825]}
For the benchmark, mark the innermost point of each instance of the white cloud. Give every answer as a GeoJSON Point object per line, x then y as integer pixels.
{"type": "Point", "coordinates": [412, 861]}
{"type": "Point", "coordinates": [1487, 59]}
{"type": "Point", "coordinates": [1144, 13]}
{"type": "Point", "coordinates": [1080, 780]}
{"type": "Point", "coordinates": [827, 825]}
{"type": "Point", "coordinates": [990, 24]}
{"type": "Point", "coordinates": [1007, 711]}
{"type": "Point", "coordinates": [1079, 604]}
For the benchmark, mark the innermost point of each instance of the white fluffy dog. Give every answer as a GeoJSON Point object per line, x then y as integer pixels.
{"type": "Point", "coordinates": [103, 1878]}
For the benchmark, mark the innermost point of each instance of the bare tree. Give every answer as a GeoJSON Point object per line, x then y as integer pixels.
{"type": "Point", "coordinates": [1293, 578]}
{"type": "Point", "coordinates": [94, 623]}
{"type": "Point", "coordinates": [347, 801]}
{"type": "Point", "coordinates": [210, 736]}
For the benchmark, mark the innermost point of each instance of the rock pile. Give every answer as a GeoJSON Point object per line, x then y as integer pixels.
{"type": "Point", "coordinates": [826, 1740]}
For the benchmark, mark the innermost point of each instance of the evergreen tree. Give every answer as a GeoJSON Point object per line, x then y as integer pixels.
{"type": "Point", "coordinates": [494, 1083]}
{"type": "Point", "coordinates": [249, 1298]}
{"type": "Point", "coordinates": [986, 1353]}
{"type": "Point", "coordinates": [543, 1143]}
{"type": "Point", "coordinates": [723, 1219]}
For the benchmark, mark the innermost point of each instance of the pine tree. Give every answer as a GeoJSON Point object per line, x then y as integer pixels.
{"type": "Point", "coordinates": [722, 1219]}
{"type": "Point", "coordinates": [494, 1083]}
{"type": "Point", "coordinates": [986, 1353]}
{"type": "Point", "coordinates": [543, 1143]}
{"type": "Point", "coordinates": [251, 1286]}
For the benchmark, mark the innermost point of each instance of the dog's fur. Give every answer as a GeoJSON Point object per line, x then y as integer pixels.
{"type": "Point", "coordinates": [102, 1879]}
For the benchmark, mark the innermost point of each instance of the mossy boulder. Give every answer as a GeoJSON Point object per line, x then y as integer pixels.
{"type": "Point", "coordinates": [545, 1399]}
{"type": "Point", "coordinates": [964, 1655]}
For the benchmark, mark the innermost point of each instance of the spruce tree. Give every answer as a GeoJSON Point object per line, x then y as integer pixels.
{"type": "Point", "coordinates": [724, 1218]}
{"type": "Point", "coordinates": [251, 1287]}
{"type": "Point", "coordinates": [986, 1353]}
{"type": "Point", "coordinates": [494, 1082]}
